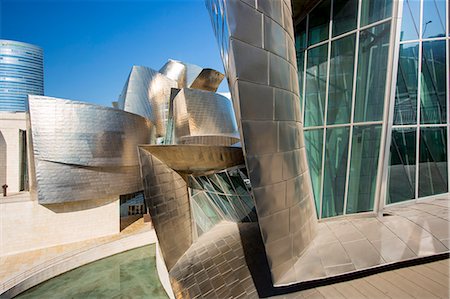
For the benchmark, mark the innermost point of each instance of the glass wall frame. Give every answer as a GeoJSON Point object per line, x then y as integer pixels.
{"type": "Point", "coordinates": [350, 124]}
{"type": "Point", "coordinates": [423, 124]}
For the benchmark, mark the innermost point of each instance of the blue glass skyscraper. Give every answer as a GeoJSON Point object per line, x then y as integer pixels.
{"type": "Point", "coordinates": [21, 73]}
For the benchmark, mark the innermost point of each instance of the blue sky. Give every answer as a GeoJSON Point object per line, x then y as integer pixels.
{"type": "Point", "coordinates": [90, 46]}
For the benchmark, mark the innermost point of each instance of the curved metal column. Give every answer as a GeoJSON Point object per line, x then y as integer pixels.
{"type": "Point", "coordinates": [257, 47]}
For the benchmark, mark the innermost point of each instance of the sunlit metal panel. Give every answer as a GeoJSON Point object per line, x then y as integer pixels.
{"type": "Point", "coordinates": [81, 151]}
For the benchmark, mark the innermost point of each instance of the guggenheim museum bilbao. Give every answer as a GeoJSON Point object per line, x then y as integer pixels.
{"type": "Point", "coordinates": [329, 163]}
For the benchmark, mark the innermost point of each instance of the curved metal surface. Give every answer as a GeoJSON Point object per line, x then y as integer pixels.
{"type": "Point", "coordinates": [167, 199]}
{"type": "Point", "coordinates": [258, 54]}
{"type": "Point", "coordinates": [208, 79]}
{"type": "Point", "coordinates": [147, 93]}
{"type": "Point", "coordinates": [81, 151]}
{"type": "Point", "coordinates": [196, 159]}
{"type": "Point", "coordinates": [199, 113]}
{"type": "Point", "coordinates": [183, 73]}
{"type": "Point", "coordinates": [209, 139]}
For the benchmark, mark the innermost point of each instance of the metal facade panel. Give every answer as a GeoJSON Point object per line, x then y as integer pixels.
{"type": "Point", "coordinates": [81, 151]}
{"type": "Point", "coordinates": [166, 196]}
{"type": "Point", "coordinates": [199, 113]}
{"type": "Point", "coordinates": [183, 73]}
{"type": "Point", "coordinates": [147, 93]}
{"type": "Point", "coordinates": [271, 131]}
{"type": "Point", "coordinates": [208, 79]}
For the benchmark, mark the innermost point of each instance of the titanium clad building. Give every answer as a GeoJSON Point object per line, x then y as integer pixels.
{"type": "Point", "coordinates": [21, 73]}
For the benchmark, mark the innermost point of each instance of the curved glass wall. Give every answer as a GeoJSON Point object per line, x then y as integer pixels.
{"type": "Point", "coordinates": [342, 59]}
{"type": "Point", "coordinates": [419, 150]}
{"type": "Point", "coordinates": [221, 196]}
{"type": "Point", "coordinates": [21, 73]}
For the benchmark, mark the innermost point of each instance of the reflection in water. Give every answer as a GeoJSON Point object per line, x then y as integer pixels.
{"type": "Point", "coordinates": [131, 274]}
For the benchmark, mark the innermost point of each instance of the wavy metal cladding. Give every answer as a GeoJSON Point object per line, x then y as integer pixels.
{"type": "Point", "coordinates": [203, 113]}
{"type": "Point", "coordinates": [82, 151]}
{"type": "Point", "coordinates": [208, 79]}
{"type": "Point", "coordinates": [182, 72]}
{"type": "Point", "coordinates": [257, 48]}
{"type": "Point", "coordinates": [164, 174]}
{"type": "Point", "coordinates": [147, 93]}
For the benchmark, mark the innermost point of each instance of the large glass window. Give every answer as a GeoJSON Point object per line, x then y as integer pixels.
{"type": "Point", "coordinates": [345, 14]}
{"type": "Point", "coordinates": [410, 20]}
{"type": "Point", "coordinates": [402, 165]}
{"type": "Point", "coordinates": [405, 109]}
{"type": "Point", "coordinates": [316, 79]}
{"type": "Point", "coordinates": [314, 146]}
{"type": "Point", "coordinates": [363, 168]}
{"type": "Point", "coordinates": [343, 92]}
{"type": "Point", "coordinates": [422, 71]}
{"type": "Point", "coordinates": [434, 18]}
{"type": "Point", "coordinates": [319, 20]}
{"type": "Point", "coordinates": [371, 76]}
{"type": "Point", "coordinates": [433, 96]}
{"type": "Point", "coordinates": [433, 177]}
{"type": "Point", "coordinates": [375, 10]}
{"type": "Point", "coordinates": [341, 80]}
{"type": "Point", "coordinates": [336, 153]}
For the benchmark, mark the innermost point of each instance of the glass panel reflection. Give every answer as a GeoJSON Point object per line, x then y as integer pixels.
{"type": "Point", "coordinates": [314, 147]}
{"type": "Point", "coordinates": [363, 168]}
{"type": "Point", "coordinates": [315, 90]}
{"type": "Point", "coordinates": [220, 196]}
{"type": "Point", "coordinates": [434, 17]}
{"type": "Point", "coordinates": [319, 20]}
{"type": "Point", "coordinates": [375, 10]}
{"type": "Point", "coordinates": [433, 178]}
{"type": "Point", "coordinates": [372, 67]}
{"type": "Point", "coordinates": [336, 153]}
{"type": "Point", "coordinates": [405, 109]}
{"type": "Point", "coordinates": [433, 95]}
{"type": "Point", "coordinates": [410, 20]}
{"type": "Point", "coordinates": [402, 165]}
{"type": "Point", "coordinates": [341, 80]}
{"type": "Point", "coordinates": [300, 46]}
{"type": "Point", "coordinates": [344, 16]}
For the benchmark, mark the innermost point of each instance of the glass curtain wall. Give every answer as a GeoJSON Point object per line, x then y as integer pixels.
{"type": "Point", "coordinates": [342, 50]}
{"type": "Point", "coordinates": [221, 196]}
{"type": "Point", "coordinates": [419, 150]}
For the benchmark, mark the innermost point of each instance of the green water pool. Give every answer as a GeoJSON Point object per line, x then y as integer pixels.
{"type": "Point", "coordinates": [131, 274]}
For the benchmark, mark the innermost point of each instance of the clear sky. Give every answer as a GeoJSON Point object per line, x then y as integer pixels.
{"type": "Point", "coordinates": [90, 46]}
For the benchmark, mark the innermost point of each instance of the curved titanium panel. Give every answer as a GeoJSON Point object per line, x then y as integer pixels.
{"type": "Point", "coordinates": [182, 72]}
{"type": "Point", "coordinates": [208, 79]}
{"type": "Point", "coordinates": [166, 196]}
{"type": "Point", "coordinates": [199, 113]}
{"type": "Point", "coordinates": [191, 159]}
{"type": "Point", "coordinates": [22, 73]}
{"type": "Point", "coordinates": [82, 151]}
{"type": "Point", "coordinates": [147, 93]}
{"type": "Point", "coordinates": [259, 55]}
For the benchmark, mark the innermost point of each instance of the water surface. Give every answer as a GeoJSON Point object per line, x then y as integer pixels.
{"type": "Point", "coordinates": [131, 274]}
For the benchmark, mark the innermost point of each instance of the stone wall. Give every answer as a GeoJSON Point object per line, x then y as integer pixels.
{"type": "Point", "coordinates": [26, 225]}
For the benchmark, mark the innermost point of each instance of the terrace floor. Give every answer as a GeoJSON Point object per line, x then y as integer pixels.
{"type": "Point", "coordinates": [401, 254]}
{"type": "Point", "coordinates": [403, 232]}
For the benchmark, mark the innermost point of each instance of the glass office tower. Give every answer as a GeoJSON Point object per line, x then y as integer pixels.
{"type": "Point", "coordinates": [374, 92]}
{"type": "Point", "coordinates": [21, 73]}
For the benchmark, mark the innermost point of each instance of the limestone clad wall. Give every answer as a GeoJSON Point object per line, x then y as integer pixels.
{"type": "Point", "coordinates": [26, 225]}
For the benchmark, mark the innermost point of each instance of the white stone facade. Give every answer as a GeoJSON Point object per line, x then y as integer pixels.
{"type": "Point", "coordinates": [10, 125]}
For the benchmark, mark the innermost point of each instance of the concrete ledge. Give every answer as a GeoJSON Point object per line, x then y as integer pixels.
{"type": "Point", "coordinates": [36, 275]}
